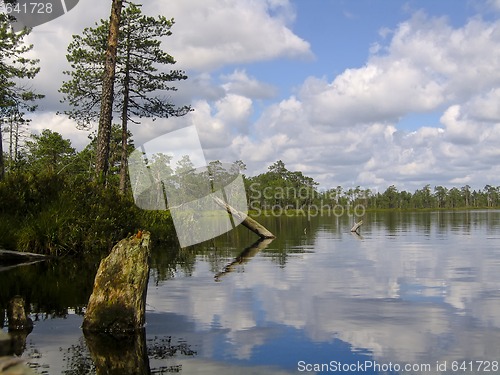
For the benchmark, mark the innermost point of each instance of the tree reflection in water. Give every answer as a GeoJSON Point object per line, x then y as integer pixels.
{"type": "Point", "coordinates": [78, 360]}
{"type": "Point", "coordinates": [102, 354]}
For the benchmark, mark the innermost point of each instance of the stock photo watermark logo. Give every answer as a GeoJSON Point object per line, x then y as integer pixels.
{"type": "Point", "coordinates": [196, 193]}
{"type": "Point", "coordinates": [32, 13]}
{"type": "Point", "coordinates": [276, 201]}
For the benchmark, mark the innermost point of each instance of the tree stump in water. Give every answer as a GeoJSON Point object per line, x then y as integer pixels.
{"type": "Point", "coordinates": [118, 301]}
{"type": "Point", "coordinates": [16, 315]}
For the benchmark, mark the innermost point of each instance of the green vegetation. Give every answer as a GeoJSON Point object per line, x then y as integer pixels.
{"type": "Point", "coordinates": [50, 203]}
{"type": "Point", "coordinates": [51, 198]}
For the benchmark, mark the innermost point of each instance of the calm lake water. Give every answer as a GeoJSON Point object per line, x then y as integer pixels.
{"type": "Point", "coordinates": [414, 289]}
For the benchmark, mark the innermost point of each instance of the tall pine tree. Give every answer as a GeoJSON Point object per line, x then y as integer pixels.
{"type": "Point", "coordinates": [140, 77]}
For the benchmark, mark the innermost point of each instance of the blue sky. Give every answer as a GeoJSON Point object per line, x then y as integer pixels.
{"type": "Point", "coordinates": [341, 34]}
{"type": "Point", "coordinates": [368, 93]}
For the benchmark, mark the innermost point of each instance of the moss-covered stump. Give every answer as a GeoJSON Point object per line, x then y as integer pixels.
{"type": "Point", "coordinates": [118, 301]}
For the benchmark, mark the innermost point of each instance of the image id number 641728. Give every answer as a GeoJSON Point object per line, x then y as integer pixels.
{"type": "Point", "coordinates": [28, 8]}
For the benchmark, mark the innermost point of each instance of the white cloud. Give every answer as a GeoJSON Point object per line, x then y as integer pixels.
{"type": "Point", "coordinates": [240, 83]}
{"type": "Point", "coordinates": [377, 92]}
{"type": "Point", "coordinates": [484, 107]}
{"type": "Point", "coordinates": [462, 60]}
{"type": "Point", "coordinates": [234, 111]}
{"type": "Point", "coordinates": [62, 125]}
{"type": "Point", "coordinates": [212, 33]}
{"type": "Point", "coordinates": [494, 4]}
{"type": "Point", "coordinates": [459, 130]}
{"type": "Point", "coordinates": [345, 131]}
{"type": "Point", "coordinates": [427, 64]}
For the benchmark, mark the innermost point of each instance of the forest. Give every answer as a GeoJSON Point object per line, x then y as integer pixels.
{"type": "Point", "coordinates": [281, 187]}
{"type": "Point", "coordinates": [53, 199]}
{"type": "Point", "coordinates": [56, 200]}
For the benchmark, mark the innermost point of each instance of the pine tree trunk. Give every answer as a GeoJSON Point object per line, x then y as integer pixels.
{"type": "Point", "coordinates": [106, 114]}
{"type": "Point", "coordinates": [123, 162]}
{"type": "Point", "coordinates": [2, 165]}
{"type": "Point", "coordinates": [126, 98]}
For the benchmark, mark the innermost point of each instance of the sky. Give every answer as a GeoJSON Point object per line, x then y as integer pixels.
{"type": "Point", "coordinates": [369, 93]}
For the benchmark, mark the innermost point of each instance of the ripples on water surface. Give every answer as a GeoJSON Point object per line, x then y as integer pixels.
{"type": "Point", "coordinates": [417, 288]}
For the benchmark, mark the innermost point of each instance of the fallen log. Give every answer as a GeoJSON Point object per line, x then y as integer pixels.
{"type": "Point", "coordinates": [356, 226]}
{"type": "Point", "coordinates": [11, 259]}
{"type": "Point", "coordinates": [245, 220]}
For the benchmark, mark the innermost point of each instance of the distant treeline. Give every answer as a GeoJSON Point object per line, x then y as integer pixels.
{"type": "Point", "coordinates": [51, 202]}
{"type": "Point", "coordinates": [279, 187]}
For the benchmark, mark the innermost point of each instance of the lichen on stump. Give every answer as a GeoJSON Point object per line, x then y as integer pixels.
{"type": "Point", "coordinates": [118, 301]}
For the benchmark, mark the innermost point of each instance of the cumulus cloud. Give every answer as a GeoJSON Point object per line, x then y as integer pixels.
{"type": "Point", "coordinates": [484, 107]}
{"type": "Point", "coordinates": [426, 64]}
{"type": "Point", "coordinates": [346, 131]}
{"type": "Point", "coordinates": [212, 33]}
{"type": "Point", "coordinates": [60, 124]}
{"type": "Point", "coordinates": [207, 35]}
{"type": "Point", "coordinates": [234, 110]}
{"type": "Point", "coordinates": [239, 82]}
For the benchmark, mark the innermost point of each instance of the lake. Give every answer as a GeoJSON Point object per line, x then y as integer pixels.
{"type": "Point", "coordinates": [414, 293]}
